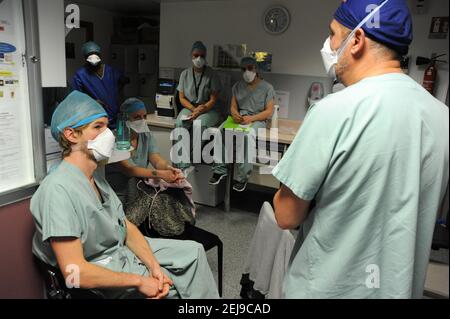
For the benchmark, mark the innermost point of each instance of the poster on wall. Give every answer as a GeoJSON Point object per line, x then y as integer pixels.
{"type": "Point", "coordinates": [439, 28]}
{"type": "Point", "coordinates": [16, 157]}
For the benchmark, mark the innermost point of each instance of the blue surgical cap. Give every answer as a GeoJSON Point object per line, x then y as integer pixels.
{"type": "Point", "coordinates": [91, 47]}
{"type": "Point", "coordinates": [395, 26]}
{"type": "Point", "coordinates": [132, 105]}
{"type": "Point", "coordinates": [248, 61]}
{"type": "Point", "coordinates": [76, 110]}
{"type": "Point", "coordinates": [199, 46]}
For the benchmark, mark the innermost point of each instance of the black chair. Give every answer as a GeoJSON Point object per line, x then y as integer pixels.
{"type": "Point", "coordinates": [55, 284]}
{"type": "Point", "coordinates": [207, 239]}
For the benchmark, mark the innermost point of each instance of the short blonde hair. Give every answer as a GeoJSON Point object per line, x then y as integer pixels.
{"type": "Point", "coordinates": [65, 144]}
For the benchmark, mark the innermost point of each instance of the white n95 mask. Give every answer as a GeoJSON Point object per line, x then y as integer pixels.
{"type": "Point", "coordinates": [249, 76]}
{"type": "Point", "coordinates": [103, 145]}
{"type": "Point", "coordinates": [139, 126]}
{"type": "Point", "coordinates": [330, 58]}
{"type": "Point", "coordinates": [199, 62]}
{"type": "Point", "coordinates": [94, 59]}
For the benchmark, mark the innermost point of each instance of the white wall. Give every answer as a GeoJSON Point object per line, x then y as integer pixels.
{"type": "Point", "coordinates": [422, 46]}
{"type": "Point", "coordinates": [294, 52]}
{"type": "Point", "coordinates": [103, 30]}
{"type": "Point", "coordinates": [238, 22]}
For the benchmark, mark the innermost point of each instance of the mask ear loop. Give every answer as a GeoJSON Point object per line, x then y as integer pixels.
{"type": "Point", "coordinates": [363, 22]}
{"type": "Point", "coordinates": [153, 199]}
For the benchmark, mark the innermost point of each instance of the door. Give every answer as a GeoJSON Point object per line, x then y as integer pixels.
{"type": "Point", "coordinates": [148, 59]}
{"type": "Point", "coordinates": [118, 57]}
{"type": "Point", "coordinates": [131, 59]}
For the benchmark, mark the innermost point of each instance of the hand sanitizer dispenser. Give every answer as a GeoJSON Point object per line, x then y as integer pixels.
{"type": "Point", "coordinates": [316, 93]}
{"type": "Point", "coordinates": [274, 120]}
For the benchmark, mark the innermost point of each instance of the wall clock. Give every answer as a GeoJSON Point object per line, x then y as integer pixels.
{"type": "Point", "coordinates": [276, 19]}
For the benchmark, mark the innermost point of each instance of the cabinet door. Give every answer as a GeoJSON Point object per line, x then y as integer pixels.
{"type": "Point", "coordinates": [131, 59]}
{"type": "Point", "coordinates": [52, 42]}
{"type": "Point", "coordinates": [148, 85]}
{"type": "Point", "coordinates": [132, 89]}
{"type": "Point", "coordinates": [148, 59]}
{"type": "Point", "coordinates": [118, 57]}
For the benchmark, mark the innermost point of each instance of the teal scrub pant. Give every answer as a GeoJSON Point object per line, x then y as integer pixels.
{"type": "Point", "coordinates": [185, 262]}
{"type": "Point", "coordinates": [245, 168]}
{"type": "Point", "coordinates": [209, 119]}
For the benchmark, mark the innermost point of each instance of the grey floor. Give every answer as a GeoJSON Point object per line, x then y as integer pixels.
{"type": "Point", "coordinates": [439, 256]}
{"type": "Point", "coordinates": [235, 229]}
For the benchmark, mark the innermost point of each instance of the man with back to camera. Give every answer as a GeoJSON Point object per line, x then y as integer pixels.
{"type": "Point", "coordinates": [374, 158]}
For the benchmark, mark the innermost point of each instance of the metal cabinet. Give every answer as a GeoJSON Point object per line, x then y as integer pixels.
{"type": "Point", "coordinates": [118, 57]}
{"type": "Point", "coordinates": [148, 61]}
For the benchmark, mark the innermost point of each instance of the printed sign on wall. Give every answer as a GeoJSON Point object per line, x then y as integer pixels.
{"type": "Point", "coordinates": [439, 28]}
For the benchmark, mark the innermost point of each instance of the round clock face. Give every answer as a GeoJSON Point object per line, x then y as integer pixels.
{"type": "Point", "coordinates": [276, 20]}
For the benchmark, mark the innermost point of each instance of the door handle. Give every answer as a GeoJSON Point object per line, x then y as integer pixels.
{"type": "Point", "coordinates": [34, 59]}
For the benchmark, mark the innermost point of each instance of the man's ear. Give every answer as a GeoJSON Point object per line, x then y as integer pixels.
{"type": "Point", "coordinates": [71, 135]}
{"type": "Point", "coordinates": [358, 43]}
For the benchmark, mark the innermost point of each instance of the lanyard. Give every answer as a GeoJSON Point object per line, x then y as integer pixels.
{"type": "Point", "coordinates": [197, 88]}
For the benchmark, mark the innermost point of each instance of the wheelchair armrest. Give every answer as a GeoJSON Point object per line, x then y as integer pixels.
{"type": "Point", "coordinates": [56, 287]}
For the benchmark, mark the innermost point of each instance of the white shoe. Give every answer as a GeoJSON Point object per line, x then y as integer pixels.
{"type": "Point", "coordinates": [188, 171]}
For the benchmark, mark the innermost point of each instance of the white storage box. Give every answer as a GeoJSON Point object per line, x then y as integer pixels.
{"type": "Point", "coordinates": [203, 193]}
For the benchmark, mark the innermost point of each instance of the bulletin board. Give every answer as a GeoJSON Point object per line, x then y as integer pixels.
{"type": "Point", "coordinates": [19, 136]}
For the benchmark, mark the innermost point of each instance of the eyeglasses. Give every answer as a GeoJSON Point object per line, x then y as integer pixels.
{"type": "Point", "coordinates": [249, 68]}
{"type": "Point", "coordinates": [198, 55]}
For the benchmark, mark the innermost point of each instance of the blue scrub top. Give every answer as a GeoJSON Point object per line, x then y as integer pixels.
{"type": "Point", "coordinates": [105, 89]}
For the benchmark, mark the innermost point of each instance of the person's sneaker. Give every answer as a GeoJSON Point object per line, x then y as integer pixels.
{"type": "Point", "coordinates": [188, 171]}
{"type": "Point", "coordinates": [217, 178]}
{"type": "Point", "coordinates": [239, 187]}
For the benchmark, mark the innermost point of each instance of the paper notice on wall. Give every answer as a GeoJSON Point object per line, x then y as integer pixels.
{"type": "Point", "coordinates": [16, 141]}
{"type": "Point", "coordinates": [282, 99]}
{"type": "Point", "coordinates": [10, 163]}
{"type": "Point", "coordinates": [439, 28]}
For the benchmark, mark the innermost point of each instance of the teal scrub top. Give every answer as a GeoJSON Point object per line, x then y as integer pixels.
{"type": "Point", "coordinates": [139, 158]}
{"type": "Point", "coordinates": [252, 102]}
{"type": "Point", "coordinates": [66, 205]}
{"type": "Point", "coordinates": [374, 157]}
{"type": "Point", "coordinates": [207, 85]}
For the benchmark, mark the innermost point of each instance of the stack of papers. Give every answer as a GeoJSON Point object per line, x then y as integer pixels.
{"type": "Point", "coordinates": [230, 124]}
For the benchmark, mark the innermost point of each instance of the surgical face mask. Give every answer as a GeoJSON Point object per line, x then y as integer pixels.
{"type": "Point", "coordinates": [103, 145]}
{"type": "Point", "coordinates": [139, 126]}
{"type": "Point", "coordinates": [94, 59]}
{"type": "Point", "coordinates": [331, 57]}
{"type": "Point", "coordinates": [199, 62]}
{"type": "Point", "coordinates": [249, 76]}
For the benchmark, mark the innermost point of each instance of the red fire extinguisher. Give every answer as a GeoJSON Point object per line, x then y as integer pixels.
{"type": "Point", "coordinates": [430, 76]}
{"type": "Point", "coordinates": [429, 79]}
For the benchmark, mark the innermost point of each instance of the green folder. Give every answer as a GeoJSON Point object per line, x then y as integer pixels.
{"type": "Point", "coordinates": [230, 124]}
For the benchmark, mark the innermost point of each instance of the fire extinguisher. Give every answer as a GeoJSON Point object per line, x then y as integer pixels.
{"type": "Point", "coordinates": [430, 76]}
{"type": "Point", "coordinates": [429, 79]}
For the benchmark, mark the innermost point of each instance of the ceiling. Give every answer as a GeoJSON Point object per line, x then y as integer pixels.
{"type": "Point", "coordinates": [131, 6]}
{"type": "Point", "coordinates": [128, 6]}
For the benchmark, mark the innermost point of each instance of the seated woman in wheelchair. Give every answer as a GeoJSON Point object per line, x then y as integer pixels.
{"type": "Point", "coordinates": [82, 229]}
